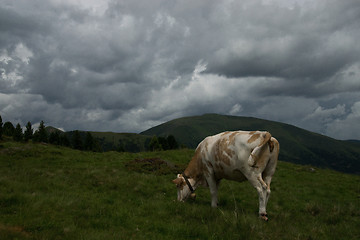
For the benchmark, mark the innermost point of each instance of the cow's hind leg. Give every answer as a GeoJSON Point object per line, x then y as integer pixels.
{"type": "Point", "coordinates": [261, 187]}
{"type": "Point", "coordinates": [267, 180]}
{"type": "Point", "coordinates": [268, 174]}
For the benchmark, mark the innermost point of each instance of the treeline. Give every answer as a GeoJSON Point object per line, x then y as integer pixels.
{"type": "Point", "coordinates": [54, 136]}
{"type": "Point", "coordinates": [82, 140]}
{"type": "Point", "coordinates": [162, 143]}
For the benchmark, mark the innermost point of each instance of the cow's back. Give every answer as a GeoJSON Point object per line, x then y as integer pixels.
{"type": "Point", "coordinates": [226, 154]}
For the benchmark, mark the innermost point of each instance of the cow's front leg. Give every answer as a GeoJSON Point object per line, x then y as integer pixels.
{"type": "Point", "coordinates": [213, 186]}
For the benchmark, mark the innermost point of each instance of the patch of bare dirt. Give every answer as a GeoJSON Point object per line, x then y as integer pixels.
{"type": "Point", "coordinates": [152, 166]}
{"type": "Point", "coordinates": [14, 231]}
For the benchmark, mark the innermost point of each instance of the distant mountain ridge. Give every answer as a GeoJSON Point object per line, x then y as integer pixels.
{"type": "Point", "coordinates": [296, 145]}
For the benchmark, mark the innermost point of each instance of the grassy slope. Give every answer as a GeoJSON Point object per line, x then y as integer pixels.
{"type": "Point", "coordinates": [49, 192]}
{"type": "Point", "coordinates": [297, 145]}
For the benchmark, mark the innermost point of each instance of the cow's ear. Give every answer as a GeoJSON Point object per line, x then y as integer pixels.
{"type": "Point", "coordinates": [177, 181]}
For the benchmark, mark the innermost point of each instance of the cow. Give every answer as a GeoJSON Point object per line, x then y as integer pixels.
{"type": "Point", "coordinates": [236, 155]}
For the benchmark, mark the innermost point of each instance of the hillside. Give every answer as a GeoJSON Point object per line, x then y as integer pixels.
{"type": "Point", "coordinates": [129, 142]}
{"type": "Point", "coordinates": [296, 145]}
{"type": "Point", "coordinates": [51, 192]}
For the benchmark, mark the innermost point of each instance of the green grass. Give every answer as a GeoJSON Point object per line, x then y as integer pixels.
{"type": "Point", "coordinates": [49, 192]}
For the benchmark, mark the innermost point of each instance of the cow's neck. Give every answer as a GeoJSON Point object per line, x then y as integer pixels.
{"type": "Point", "coordinates": [194, 169]}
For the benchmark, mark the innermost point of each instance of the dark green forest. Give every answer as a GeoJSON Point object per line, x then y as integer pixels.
{"type": "Point", "coordinates": [86, 140]}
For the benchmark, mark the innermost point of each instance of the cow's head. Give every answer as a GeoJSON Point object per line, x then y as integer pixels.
{"type": "Point", "coordinates": [184, 187]}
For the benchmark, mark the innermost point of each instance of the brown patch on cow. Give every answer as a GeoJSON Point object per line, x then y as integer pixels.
{"type": "Point", "coordinates": [178, 181]}
{"type": "Point", "coordinates": [196, 167]}
{"type": "Point", "coordinates": [205, 167]}
{"type": "Point", "coordinates": [266, 138]}
{"type": "Point", "coordinates": [209, 164]}
{"type": "Point", "coordinates": [225, 159]}
{"type": "Point", "coordinates": [264, 185]}
{"type": "Point", "coordinates": [271, 145]}
{"type": "Point", "coordinates": [222, 152]}
{"type": "Point", "coordinates": [232, 137]}
{"type": "Point", "coordinates": [206, 171]}
{"type": "Point", "coordinates": [218, 166]}
{"type": "Point", "coordinates": [193, 166]}
{"type": "Point", "coordinates": [253, 138]}
{"type": "Point", "coordinates": [252, 132]}
{"type": "Point", "coordinates": [224, 133]}
{"type": "Point", "coordinates": [206, 147]}
{"type": "Point", "coordinates": [262, 157]}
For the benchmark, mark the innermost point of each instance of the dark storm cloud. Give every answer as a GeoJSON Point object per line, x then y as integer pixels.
{"type": "Point", "coordinates": [129, 65]}
{"type": "Point", "coordinates": [291, 43]}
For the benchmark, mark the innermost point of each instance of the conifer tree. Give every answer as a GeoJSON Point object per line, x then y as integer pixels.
{"type": "Point", "coordinates": [89, 142]}
{"type": "Point", "coordinates": [154, 144]}
{"type": "Point", "coordinates": [28, 134]}
{"type": "Point", "coordinates": [76, 140]}
{"type": "Point", "coordinates": [43, 137]}
{"type": "Point", "coordinates": [18, 134]}
{"type": "Point", "coordinates": [54, 138]}
{"type": "Point", "coordinates": [163, 142]}
{"type": "Point", "coordinates": [172, 142]}
{"type": "Point", "coordinates": [8, 129]}
{"type": "Point", "coordinates": [64, 140]}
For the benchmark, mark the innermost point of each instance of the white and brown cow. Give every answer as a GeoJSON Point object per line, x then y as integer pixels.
{"type": "Point", "coordinates": [239, 156]}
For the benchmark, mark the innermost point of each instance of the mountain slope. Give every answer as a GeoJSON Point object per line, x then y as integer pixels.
{"type": "Point", "coordinates": [296, 145]}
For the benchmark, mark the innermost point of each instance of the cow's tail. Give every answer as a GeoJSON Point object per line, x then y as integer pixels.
{"type": "Point", "coordinates": [257, 158]}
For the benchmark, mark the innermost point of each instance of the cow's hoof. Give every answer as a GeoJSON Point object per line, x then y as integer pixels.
{"type": "Point", "coordinates": [264, 217]}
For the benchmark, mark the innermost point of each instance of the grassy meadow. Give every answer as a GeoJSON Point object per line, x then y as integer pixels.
{"type": "Point", "coordinates": [51, 192]}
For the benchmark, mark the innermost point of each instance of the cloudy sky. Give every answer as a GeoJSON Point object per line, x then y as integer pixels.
{"type": "Point", "coordinates": [128, 65]}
